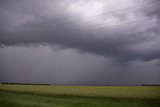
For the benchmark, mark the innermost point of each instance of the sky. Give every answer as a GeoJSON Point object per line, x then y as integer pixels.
{"type": "Point", "coordinates": [80, 42]}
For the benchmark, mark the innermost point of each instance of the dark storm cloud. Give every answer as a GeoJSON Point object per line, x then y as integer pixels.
{"type": "Point", "coordinates": [24, 22]}
{"type": "Point", "coordinates": [69, 67]}
{"type": "Point", "coordinates": [79, 42]}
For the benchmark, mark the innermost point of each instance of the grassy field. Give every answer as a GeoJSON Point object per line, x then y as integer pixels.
{"type": "Point", "coordinates": [81, 96]}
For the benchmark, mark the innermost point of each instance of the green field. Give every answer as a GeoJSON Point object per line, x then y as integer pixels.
{"type": "Point", "coordinates": [81, 96]}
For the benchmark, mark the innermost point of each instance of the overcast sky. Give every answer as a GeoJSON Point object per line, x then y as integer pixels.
{"type": "Point", "coordinates": [80, 42]}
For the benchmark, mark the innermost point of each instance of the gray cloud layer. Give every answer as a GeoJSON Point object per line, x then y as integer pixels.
{"type": "Point", "coordinates": [129, 36]}
{"type": "Point", "coordinates": [68, 67]}
{"type": "Point", "coordinates": [48, 21]}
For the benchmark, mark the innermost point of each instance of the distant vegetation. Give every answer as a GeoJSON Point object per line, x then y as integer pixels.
{"type": "Point", "coordinates": [151, 85]}
{"type": "Point", "coordinates": [12, 83]}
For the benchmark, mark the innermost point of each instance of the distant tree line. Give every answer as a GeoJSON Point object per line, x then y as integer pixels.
{"type": "Point", "coordinates": [12, 83]}
{"type": "Point", "coordinates": [150, 84]}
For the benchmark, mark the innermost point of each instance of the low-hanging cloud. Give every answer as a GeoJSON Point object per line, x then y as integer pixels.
{"type": "Point", "coordinates": [85, 29]}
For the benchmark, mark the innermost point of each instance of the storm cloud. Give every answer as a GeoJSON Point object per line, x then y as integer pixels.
{"type": "Point", "coordinates": [124, 35]}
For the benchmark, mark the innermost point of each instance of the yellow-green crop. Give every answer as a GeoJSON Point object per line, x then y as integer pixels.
{"type": "Point", "coordinates": [135, 92]}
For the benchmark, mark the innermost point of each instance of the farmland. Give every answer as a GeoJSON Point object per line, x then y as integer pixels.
{"type": "Point", "coordinates": [95, 96]}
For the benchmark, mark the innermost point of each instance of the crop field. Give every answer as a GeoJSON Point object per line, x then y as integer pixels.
{"type": "Point", "coordinates": [81, 96]}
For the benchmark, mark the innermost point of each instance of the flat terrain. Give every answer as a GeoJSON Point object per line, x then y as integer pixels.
{"type": "Point", "coordinates": [81, 96]}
